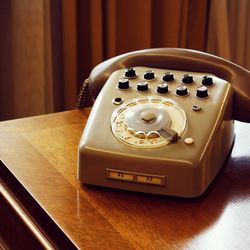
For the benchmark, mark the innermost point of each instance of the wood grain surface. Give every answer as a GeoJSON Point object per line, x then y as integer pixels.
{"type": "Point", "coordinates": [42, 152]}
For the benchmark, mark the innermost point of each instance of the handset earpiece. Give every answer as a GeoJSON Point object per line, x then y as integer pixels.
{"type": "Point", "coordinates": [180, 59]}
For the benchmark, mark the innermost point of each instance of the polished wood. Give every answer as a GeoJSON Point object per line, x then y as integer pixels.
{"type": "Point", "coordinates": [13, 224]}
{"type": "Point", "coordinates": [23, 218]}
{"type": "Point", "coordinates": [41, 152]}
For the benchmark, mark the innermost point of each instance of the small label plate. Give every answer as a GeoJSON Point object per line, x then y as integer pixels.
{"type": "Point", "coordinates": [135, 177]}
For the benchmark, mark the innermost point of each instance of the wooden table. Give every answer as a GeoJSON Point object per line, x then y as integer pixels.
{"type": "Point", "coordinates": [40, 155]}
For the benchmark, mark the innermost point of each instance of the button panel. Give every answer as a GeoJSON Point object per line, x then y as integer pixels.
{"type": "Point", "coordinates": [179, 84]}
{"type": "Point", "coordinates": [153, 112]}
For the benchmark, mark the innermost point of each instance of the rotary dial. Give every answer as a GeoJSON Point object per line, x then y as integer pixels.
{"type": "Point", "coordinates": [148, 122]}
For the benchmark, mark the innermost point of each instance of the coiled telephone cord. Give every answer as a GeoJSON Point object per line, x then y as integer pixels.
{"type": "Point", "coordinates": [81, 101]}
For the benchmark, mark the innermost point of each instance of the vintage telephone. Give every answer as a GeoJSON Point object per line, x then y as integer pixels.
{"type": "Point", "coordinates": [162, 121]}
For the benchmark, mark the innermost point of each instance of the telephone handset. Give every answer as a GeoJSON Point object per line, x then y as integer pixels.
{"type": "Point", "coordinates": [162, 121]}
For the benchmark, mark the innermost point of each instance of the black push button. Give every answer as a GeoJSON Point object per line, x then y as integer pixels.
{"type": "Point", "coordinates": [130, 73]}
{"type": "Point", "coordinates": [201, 92]}
{"type": "Point", "coordinates": [149, 75]}
{"type": "Point", "coordinates": [187, 79]}
{"type": "Point", "coordinates": [162, 88]}
{"type": "Point", "coordinates": [117, 100]}
{"type": "Point", "coordinates": [142, 86]}
{"type": "Point", "coordinates": [181, 91]}
{"type": "Point", "coordinates": [196, 107]}
{"type": "Point", "coordinates": [168, 77]}
{"type": "Point", "coordinates": [207, 81]}
{"type": "Point", "coordinates": [123, 84]}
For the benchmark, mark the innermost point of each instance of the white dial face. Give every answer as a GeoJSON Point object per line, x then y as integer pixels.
{"type": "Point", "coordinates": [148, 122]}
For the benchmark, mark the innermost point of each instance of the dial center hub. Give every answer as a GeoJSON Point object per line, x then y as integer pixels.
{"type": "Point", "coordinates": [148, 116]}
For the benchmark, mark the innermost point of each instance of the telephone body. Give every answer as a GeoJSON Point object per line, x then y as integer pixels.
{"type": "Point", "coordinates": [162, 121]}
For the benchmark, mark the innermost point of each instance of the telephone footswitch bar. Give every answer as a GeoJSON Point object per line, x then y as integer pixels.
{"type": "Point", "coordinates": [135, 177]}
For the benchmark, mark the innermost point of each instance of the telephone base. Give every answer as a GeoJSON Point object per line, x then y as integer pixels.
{"type": "Point", "coordinates": [149, 136]}
{"type": "Point", "coordinates": [182, 179]}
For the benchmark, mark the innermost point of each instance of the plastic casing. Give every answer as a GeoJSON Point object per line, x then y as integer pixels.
{"type": "Point", "coordinates": [188, 169]}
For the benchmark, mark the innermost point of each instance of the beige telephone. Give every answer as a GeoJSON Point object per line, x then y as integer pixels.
{"type": "Point", "coordinates": [162, 121]}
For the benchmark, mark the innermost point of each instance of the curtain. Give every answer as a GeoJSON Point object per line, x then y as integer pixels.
{"type": "Point", "coordinates": [96, 30]}
{"type": "Point", "coordinates": [49, 47]}
{"type": "Point", "coordinates": [229, 30]}
{"type": "Point", "coordinates": [6, 106]}
{"type": "Point", "coordinates": [26, 86]}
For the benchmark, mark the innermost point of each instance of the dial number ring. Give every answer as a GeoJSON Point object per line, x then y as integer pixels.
{"type": "Point", "coordinates": [122, 131]}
